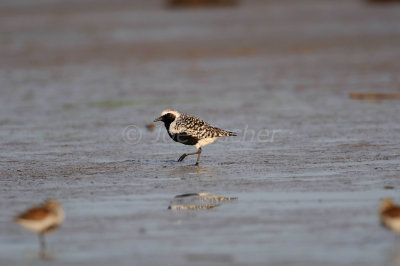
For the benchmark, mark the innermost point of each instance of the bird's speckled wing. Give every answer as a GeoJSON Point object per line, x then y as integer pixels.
{"type": "Point", "coordinates": [198, 128]}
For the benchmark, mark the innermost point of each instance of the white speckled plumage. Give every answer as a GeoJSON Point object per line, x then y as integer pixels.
{"type": "Point", "coordinates": [190, 130]}
{"type": "Point", "coordinates": [196, 127]}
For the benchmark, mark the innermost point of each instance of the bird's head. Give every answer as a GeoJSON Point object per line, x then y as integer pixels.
{"type": "Point", "coordinates": [52, 204]}
{"type": "Point", "coordinates": [55, 207]}
{"type": "Point", "coordinates": [168, 116]}
{"type": "Point", "coordinates": [386, 204]}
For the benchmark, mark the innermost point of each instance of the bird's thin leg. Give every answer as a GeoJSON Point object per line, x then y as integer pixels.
{"type": "Point", "coordinates": [186, 154]}
{"type": "Point", "coordinates": [42, 245]}
{"type": "Point", "coordinates": [198, 156]}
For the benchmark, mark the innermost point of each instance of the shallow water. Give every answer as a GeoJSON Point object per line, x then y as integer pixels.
{"type": "Point", "coordinates": [309, 165]}
{"type": "Point", "coordinates": [252, 230]}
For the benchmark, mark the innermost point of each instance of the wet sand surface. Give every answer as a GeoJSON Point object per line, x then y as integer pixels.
{"type": "Point", "coordinates": [79, 82]}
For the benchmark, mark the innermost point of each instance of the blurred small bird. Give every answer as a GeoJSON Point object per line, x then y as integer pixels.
{"type": "Point", "coordinates": [42, 219]}
{"type": "Point", "coordinates": [190, 130]}
{"type": "Point", "coordinates": [150, 127]}
{"type": "Point", "coordinates": [390, 215]}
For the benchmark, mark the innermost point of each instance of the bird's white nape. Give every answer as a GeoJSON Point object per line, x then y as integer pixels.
{"type": "Point", "coordinates": [171, 111]}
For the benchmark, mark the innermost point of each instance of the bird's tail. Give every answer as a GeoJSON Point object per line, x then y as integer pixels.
{"type": "Point", "coordinates": [223, 133]}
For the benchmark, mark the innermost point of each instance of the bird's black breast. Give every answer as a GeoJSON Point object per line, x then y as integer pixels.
{"type": "Point", "coordinates": [184, 138]}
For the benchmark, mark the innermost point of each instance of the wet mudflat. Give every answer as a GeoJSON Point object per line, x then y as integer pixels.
{"type": "Point", "coordinates": [78, 85]}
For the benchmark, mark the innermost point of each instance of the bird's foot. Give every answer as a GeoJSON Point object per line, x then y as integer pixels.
{"type": "Point", "coordinates": [182, 157]}
{"type": "Point", "coordinates": [42, 255]}
{"type": "Point", "coordinates": [196, 164]}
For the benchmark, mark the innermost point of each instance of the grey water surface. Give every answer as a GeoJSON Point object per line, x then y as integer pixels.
{"type": "Point", "coordinates": [79, 81]}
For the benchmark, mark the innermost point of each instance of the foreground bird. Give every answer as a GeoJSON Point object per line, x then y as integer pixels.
{"type": "Point", "coordinates": [42, 219]}
{"type": "Point", "coordinates": [390, 215]}
{"type": "Point", "coordinates": [190, 130]}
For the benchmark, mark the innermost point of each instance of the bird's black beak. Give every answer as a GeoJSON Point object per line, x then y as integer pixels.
{"type": "Point", "coordinates": [158, 119]}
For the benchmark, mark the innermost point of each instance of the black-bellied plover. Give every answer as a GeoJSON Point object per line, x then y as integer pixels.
{"type": "Point", "coordinates": [190, 130]}
{"type": "Point", "coordinates": [42, 219]}
{"type": "Point", "coordinates": [389, 215]}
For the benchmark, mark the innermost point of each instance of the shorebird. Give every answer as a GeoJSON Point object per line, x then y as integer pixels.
{"type": "Point", "coordinates": [190, 130]}
{"type": "Point", "coordinates": [42, 219]}
{"type": "Point", "coordinates": [390, 215]}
